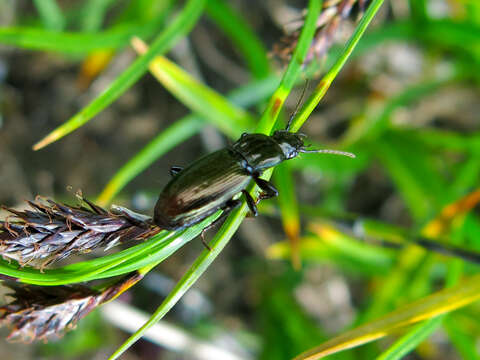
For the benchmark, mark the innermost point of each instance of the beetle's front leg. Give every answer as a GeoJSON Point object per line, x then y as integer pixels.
{"type": "Point", "coordinates": [268, 190]}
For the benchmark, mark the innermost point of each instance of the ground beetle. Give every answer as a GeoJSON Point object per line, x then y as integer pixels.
{"type": "Point", "coordinates": [214, 181]}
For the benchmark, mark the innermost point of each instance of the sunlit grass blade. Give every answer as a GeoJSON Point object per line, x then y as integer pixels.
{"type": "Point", "coordinates": [178, 28]}
{"type": "Point", "coordinates": [429, 307]}
{"type": "Point", "coordinates": [201, 99]}
{"type": "Point", "coordinates": [339, 250]}
{"type": "Point", "coordinates": [51, 14]}
{"type": "Point", "coordinates": [328, 78]}
{"type": "Point", "coordinates": [412, 339]}
{"type": "Point", "coordinates": [241, 35]}
{"type": "Point", "coordinates": [234, 220]}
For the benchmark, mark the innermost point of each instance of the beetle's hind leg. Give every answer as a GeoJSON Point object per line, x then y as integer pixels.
{"type": "Point", "coordinates": [229, 206]}
{"type": "Point", "coordinates": [174, 170]}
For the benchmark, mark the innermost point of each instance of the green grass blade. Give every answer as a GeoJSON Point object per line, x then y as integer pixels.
{"type": "Point", "coordinates": [241, 35]}
{"type": "Point", "coordinates": [94, 13]}
{"type": "Point", "coordinates": [411, 340]}
{"type": "Point", "coordinates": [327, 80]}
{"type": "Point", "coordinates": [51, 14]}
{"type": "Point", "coordinates": [201, 99]}
{"type": "Point", "coordinates": [76, 42]}
{"type": "Point", "coordinates": [165, 141]}
{"type": "Point", "coordinates": [179, 27]}
{"type": "Point", "coordinates": [294, 69]}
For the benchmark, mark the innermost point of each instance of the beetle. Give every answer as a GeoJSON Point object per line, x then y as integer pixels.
{"type": "Point", "coordinates": [217, 180]}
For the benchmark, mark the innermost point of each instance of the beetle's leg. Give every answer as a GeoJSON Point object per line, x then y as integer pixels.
{"type": "Point", "coordinates": [251, 203]}
{"type": "Point", "coordinates": [229, 206]}
{"type": "Point", "coordinates": [268, 190]}
{"type": "Point", "coordinates": [174, 170]}
{"type": "Point", "coordinates": [203, 239]}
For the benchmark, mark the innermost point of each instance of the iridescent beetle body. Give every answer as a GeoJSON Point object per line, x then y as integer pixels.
{"type": "Point", "coordinates": [214, 181]}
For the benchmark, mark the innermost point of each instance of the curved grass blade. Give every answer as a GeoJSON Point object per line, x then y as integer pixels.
{"type": "Point", "coordinates": [94, 13]}
{"type": "Point", "coordinates": [199, 98]}
{"type": "Point", "coordinates": [412, 339]}
{"type": "Point", "coordinates": [179, 27]}
{"type": "Point", "coordinates": [51, 14]}
{"type": "Point", "coordinates": [427, 308]}
{"type": "Point", "coordinates": [234, 220]}
{"type": "Point", "coordinates": [241, 35]}
{"type": "Point", "coordinates": [166, 140]}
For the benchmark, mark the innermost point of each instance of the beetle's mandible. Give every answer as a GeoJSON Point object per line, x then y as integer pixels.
{"type": "Point", "coordinates": [216, 180]}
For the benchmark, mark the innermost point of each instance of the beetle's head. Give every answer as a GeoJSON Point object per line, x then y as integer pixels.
{"type": "Point", "coordinates": [292, 144]}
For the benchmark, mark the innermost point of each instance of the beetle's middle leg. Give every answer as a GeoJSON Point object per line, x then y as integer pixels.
{"type": "Point", "coordinates": [227, 208]}
{"type": "Point", "coordinates": [268, 190]}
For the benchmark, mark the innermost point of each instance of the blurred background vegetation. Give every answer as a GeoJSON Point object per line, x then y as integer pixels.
{"type": "Point", "coordinates": [407, 103]}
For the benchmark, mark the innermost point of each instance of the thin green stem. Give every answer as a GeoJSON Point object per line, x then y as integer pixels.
{"type": "Point", "coordinates": [328, 78]}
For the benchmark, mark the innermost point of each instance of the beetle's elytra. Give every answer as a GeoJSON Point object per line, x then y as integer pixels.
{"type": "Point", "coordinates": [214, 181]}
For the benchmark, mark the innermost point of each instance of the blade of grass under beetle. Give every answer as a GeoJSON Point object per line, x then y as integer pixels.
{"type": "Point", "coordinates": [51, 14]}
{"type": "Point", "coordinates": [426, 308]}
{"type": "Point", "coordinates": [177, 133]}
{"type": "Point", "coordinates": [153, 250]}
{"type": "Point", "coordinates": [179, 27]}
{"type": "Point", "coordinates": [240, 33]}
{"type": "Point", "coordinates": [328, 78]}
{"type": "Point", "coordinates": [234, 220]}
{"type": "Point", "coordinates": [201, 99]}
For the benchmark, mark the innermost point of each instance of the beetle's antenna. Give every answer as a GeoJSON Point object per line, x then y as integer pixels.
{"type": "Point", "coordinates": [328, 151]}
{"type": "Point", "coordinates": [297, 106]}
